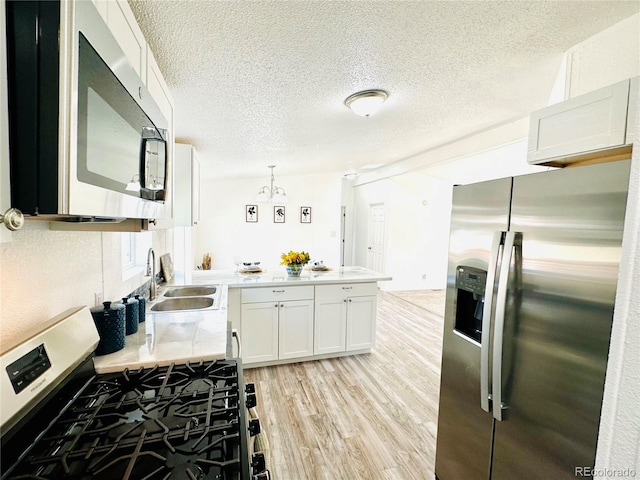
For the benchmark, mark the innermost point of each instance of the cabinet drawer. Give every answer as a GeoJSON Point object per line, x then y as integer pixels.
{"type": "Point", "coordinates": [269, 294]}
{"type": "Point", "coordinates": [346, 290]}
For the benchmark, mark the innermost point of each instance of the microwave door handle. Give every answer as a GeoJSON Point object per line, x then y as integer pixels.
{"type": "Point", "coordinates": [496, 244]}
{"type": "Point", "coordinates": [513, 240]}
{"type": "Point", "coordinates": [143, 161]}
{"type": "Point", "coordinates": [148, 134]}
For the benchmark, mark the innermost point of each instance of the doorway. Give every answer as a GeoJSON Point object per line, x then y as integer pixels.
{"type": "Point", "coordinates": [343, 233]}
{"type": "Point", "coordinates": [375, 245]}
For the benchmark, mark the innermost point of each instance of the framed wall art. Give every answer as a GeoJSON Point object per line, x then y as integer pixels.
{"type": "Point", "coordinates": [251, 213]}
{"type": "Point", "coordinates": [278, 214]}
{"type": "Point", "coordinates": [305, 214]}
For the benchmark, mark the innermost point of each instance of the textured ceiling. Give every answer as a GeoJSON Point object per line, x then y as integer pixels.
{"type": "Point", "coordinates": [260, 83]}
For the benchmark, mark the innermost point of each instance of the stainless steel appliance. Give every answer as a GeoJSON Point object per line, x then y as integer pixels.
{"type": "Point", "coordinates": [532, 277]}
{"type": "Point", "coordinates": [87, 139]}
{"type": "Point", "coordinates": [61, 420]}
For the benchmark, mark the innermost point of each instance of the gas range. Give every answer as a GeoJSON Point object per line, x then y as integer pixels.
{"type": "Point", "coordinates": [180, 421]}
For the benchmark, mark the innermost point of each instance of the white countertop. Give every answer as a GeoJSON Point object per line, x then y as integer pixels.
{"type": "Point", "coordinates": [166, 338]}
{"type": "Point", "coordinates": [274, 276]}
{"type": "Point", "coordinates": [178, 337]}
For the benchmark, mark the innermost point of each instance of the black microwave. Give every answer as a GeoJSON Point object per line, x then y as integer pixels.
{"type": "Point", "coordinates": [86, 139]}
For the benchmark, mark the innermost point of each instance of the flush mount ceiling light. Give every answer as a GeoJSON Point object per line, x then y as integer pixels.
{"type": "Point", "coordinates": [367, 102]}
{"type": "Point", "coordinates": [273, 194]}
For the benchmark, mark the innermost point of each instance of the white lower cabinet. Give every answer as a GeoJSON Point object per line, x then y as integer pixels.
{"type": "Point", "coordinates": [330, 333]}
{"type": "Point", "coordinates": [345, 318]}
{"type": "Point", "coordinates": [296, 329]}
{"type": "Point", "coordinates": [287, 323]}
{"type": "Point", "coordinates": [276, 323]}
{"type": "Point", "coordinates": [361, 323]}
{"type": "Point", "coordinates": [259, 332]}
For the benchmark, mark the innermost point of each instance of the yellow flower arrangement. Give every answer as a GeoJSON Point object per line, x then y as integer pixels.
{"type": "Point", "coordinates": [297, 258]}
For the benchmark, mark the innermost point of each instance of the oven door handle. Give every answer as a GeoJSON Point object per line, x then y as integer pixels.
{"type": "Point", "coordinates": [234, 334]}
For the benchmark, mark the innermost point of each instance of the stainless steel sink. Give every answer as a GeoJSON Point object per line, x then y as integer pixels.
{"type": "Point", "coordinates": [187, 303]}
{"type": "Point", "coordinates": [190, 291]}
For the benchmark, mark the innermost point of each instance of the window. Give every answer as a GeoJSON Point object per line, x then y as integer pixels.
{"type": "Point", "coordinates": [134, 253]}
{"type": "Point", "coordinates": [128, 251]}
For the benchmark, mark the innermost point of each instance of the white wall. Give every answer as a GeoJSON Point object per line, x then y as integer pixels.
{"type": "Point", "coordinates": [224, 233]}
{"type": "Point", "coordinates": [604, 59]}
{"type": "Point", "coordinates": [619, 435]}
{"type": "Point", "coordinates": [508, 160]}
{"type": "Point", "coordinates": [417, 235]}
{"type": "Point", "coordinates": [44, 273]}
{"type": "Point", "coordinates": [416, 229]}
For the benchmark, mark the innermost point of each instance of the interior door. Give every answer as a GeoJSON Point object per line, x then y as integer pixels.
{"type": "Point", "coordinates": [375, 248]}
{"type": "Point", "coordinates": [557, 332]}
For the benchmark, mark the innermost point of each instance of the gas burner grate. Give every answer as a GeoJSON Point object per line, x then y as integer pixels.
{"type": "Point", "coordinates": [180, 421]}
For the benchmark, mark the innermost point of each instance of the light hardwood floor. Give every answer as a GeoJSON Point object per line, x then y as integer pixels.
{"type": "Point", "coordinates": [371, 416]}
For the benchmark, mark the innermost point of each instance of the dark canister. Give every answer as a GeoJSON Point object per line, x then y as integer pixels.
{"type": "Point", "coordinates": [131, 314]}
{"type": "Point", "coordinates": [110, 323]}
{"type": "Point", "coordinates": [142, 308]}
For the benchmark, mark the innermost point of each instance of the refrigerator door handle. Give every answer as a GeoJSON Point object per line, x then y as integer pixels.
{"type": "Point", "coordinates": [485, 397]}
{"type": "Point", "coordinates": [512, 239]}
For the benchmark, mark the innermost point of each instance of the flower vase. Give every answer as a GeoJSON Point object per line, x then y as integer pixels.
{"type": "Point", "coordinates": [294, 269]}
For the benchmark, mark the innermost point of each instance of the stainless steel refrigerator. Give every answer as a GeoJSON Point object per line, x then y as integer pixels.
{"type": "Point", "coordinates": [533, 269]}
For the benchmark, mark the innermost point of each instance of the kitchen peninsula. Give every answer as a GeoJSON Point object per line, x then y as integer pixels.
{"type": "Point", "coordinates": [283, 319]}
{"type": "Point", "coordinates": [279, 319]}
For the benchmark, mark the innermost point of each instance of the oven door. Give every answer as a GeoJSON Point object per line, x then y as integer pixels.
{"type": "Point", "coordinates": [118, 135]}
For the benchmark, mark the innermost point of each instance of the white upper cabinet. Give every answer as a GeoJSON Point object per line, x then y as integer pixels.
{"type": "Point", "coordinates": [585, 124]}
{"type": "Point", "coordinates": [634, 97]}
{"type": "Point", "coordinates": [158, 88]}
{"type": "Point", "coordinates": [186, 196]}
{"type": "Point", "coordinates": [122, 23]}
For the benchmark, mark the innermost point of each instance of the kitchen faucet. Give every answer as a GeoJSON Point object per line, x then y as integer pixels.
{"type": "Point", "coordinates": [151, 270]}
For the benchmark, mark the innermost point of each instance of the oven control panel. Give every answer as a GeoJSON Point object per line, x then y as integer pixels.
{"type": "Point", "coordinates": [29, 371]}
{"type": "Point", "coordinates": [26, 370]}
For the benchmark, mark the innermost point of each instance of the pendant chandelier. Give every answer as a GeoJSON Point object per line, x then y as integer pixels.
{"type": "Point", "coordinates": [272, 194]}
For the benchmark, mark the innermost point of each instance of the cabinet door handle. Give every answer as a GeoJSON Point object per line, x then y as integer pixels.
{"type": "Point", "coordinates": [347, 288]}
{"type": "Point", "coordinates": [276, 305]}
{"type": "Point", "coordinates": [349, 300]}
{"type": "Point", "coordinates": [345, 300]}
{"type": "Point", "coordinates": [278, 291]}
